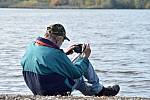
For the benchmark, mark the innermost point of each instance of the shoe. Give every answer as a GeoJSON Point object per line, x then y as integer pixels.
{"type": "Point", "coordinates": [109, 91]}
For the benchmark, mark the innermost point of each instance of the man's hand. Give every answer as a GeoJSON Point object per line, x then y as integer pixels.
{"type": "Point", "coordinates": [85, 47]}
{"type": "Point", "coordinates": [87, 50]}
{"type": "Point", "coordinates": [69, 50]}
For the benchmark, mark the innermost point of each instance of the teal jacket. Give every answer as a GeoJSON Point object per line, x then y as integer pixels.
{"type": "Point", "coordinates": [44, 60]}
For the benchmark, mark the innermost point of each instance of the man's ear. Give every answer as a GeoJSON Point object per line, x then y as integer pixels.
{"type": "Point", "coordinates": [58, 38]}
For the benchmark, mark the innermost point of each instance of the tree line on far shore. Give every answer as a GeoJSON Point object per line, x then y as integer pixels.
{"type": "Point", "coordinates": [101, 4]}
{"type": "Point", "coordinates": [122, 4]}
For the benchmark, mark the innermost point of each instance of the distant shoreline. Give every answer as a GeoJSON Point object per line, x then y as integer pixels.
{"type": "Point", "coordinates": [76, 4]}
{"type": "Point", "coordinates": [76, 8]}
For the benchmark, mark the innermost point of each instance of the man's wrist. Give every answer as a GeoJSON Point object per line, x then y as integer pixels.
{"type": "Point", "coordinates": [85, 57]}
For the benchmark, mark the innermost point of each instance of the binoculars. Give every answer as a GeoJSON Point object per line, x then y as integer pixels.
{"type": "Point", "coordinates": [78, 48]}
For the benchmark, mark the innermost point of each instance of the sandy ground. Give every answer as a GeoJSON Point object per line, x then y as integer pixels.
{"type": "Point", "coordinates": [31, 97]}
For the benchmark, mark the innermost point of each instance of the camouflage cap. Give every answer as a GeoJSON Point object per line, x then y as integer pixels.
{"type": "Point", "coordinates": [57, 29]}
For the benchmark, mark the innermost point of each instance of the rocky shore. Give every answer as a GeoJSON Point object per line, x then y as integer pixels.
{"type": "Point", "coordinates": [31, 97]}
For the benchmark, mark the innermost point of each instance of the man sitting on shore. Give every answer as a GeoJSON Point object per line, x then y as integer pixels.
{"type": "Point", "coordinates": [48, 71]}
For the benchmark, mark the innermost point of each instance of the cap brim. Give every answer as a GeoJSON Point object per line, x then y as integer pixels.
{"type": "Point", "coordinates": [66, 38]}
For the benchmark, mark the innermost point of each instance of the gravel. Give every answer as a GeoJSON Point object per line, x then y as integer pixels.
{"type": "Point", "coordinates": [31, 97]}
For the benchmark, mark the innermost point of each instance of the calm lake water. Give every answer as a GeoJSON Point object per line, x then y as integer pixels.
{"type": "Point", "coordinates": [120, 42]}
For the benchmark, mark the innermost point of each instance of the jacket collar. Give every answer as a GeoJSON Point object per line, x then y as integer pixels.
{"type": "Point", "coordinates": [45, 42]}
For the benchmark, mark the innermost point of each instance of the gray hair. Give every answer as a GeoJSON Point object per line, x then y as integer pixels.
{"type": "Point", "coordinates": [50, 35]}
